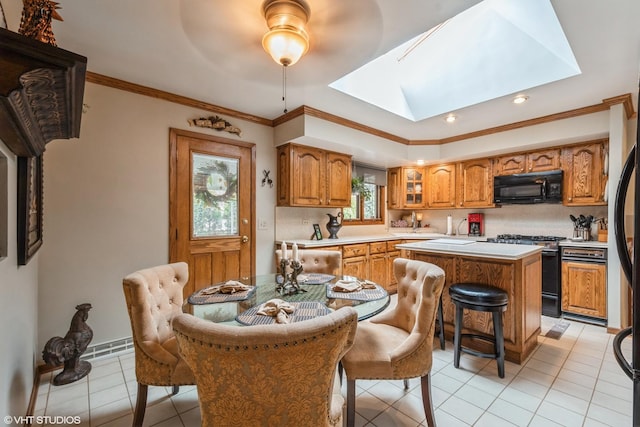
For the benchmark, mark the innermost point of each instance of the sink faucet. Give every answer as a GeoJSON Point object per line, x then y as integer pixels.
{"type": "Point", "coordinates": [414, 222]}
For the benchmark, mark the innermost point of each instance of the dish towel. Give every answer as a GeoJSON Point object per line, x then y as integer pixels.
{"type": "Point", "coordinates": [352, 285]}
{"type": "Point", "coordinates": [277, 308]}
{"type": "Point", "coordinates": [229, 287]}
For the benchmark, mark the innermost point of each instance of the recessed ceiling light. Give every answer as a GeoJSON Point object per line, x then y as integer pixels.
{"type": "Point", "coordinates": [420, 162]}
{"type": "Point", "coordinates": [520, 99]}
{"type": "Point", "coordinates": [450, 118]}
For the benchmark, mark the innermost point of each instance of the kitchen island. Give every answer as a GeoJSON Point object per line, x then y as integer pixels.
{"type": "Point", "coordinates": [517, 269]}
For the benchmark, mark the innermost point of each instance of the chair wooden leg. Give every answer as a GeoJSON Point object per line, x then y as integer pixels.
{"type": "Point", "coordinates": [351, 402]}
{"type": "Point", "coordinates": [406, 384]}
{"type": "Point", "coordinates": [340, 369]}
{"type": "Point", "coordinates": [427, 403]}
{"type": "Point", "coordinates": [441, 324]}
{"type": "Point", "coordinates": [141, 405]}
{"type": "Point", "coordinates": [499, 342]}
{"type": "Point", "coordinates": [176, 389]}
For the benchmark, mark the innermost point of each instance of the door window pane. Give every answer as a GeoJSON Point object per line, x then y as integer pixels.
{"type": "Point", "coordinates": [215, 196]}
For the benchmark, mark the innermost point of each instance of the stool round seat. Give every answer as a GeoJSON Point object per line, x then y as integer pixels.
{"type": "Point", "coordinates": [478, 295]}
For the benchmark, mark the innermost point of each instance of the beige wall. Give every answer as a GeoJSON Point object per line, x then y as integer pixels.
{"type": "Point", "coordinates": [18, 307]}
{"type": "Point", "coordinates": [106, 206]}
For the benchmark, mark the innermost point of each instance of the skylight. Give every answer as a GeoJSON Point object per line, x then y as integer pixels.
{"type": "Point", "coordinates": [493, 49]}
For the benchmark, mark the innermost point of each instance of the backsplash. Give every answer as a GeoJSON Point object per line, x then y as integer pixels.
{"type": "Point", "coordinates": [542, 219]}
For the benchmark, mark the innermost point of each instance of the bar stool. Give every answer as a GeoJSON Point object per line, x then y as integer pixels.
{"type": "Point", "coordinates": [478, 297]}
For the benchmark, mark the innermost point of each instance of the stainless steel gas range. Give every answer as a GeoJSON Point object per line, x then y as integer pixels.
{"type": "Point", "coordinates": [551, 288]}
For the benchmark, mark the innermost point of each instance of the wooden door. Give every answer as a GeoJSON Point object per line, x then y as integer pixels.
{"type": "Point", "coordinates": [510, 164]}
{"type": "Point", "coordinates": [413, 188]}
{"type": "Point", "coordinates": [211, 203]}
{"type": "Point", "coordinates": [584, 178]}
{"type": "Point", "coordinates": [442, 186]}
{"type": "Point", "coordinates": [394, 188]}
{"type": "Point", "coordinates": [546, 160]}
{"type": "Point", "coordinates": [584, 288]}
{"type": "Point", "coordinates": [338, 180]}
{"type": "Point", "coordinates": [475, 183]}
{"type": "Point", "coordinates": [308, 184]}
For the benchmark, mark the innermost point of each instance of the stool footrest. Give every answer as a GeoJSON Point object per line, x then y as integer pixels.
{"type": "Point", "coordinates": [476, 352]}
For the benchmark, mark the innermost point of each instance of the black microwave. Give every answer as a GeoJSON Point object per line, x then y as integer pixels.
{"type": "Point", "coordinates": [528, 188]}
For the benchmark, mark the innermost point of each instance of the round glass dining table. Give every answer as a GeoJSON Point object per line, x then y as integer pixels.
{"type": "Point", "coordinates": [227, 311]}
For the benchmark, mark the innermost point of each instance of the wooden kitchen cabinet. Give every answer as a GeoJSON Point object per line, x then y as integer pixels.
{"type": "Point", "coordinates": [372, 261]}
{"type": "Point", "coordinates": [309, 176]}
{"type": "Point", "coordinates": [584, 178]}
{"type": "Point", "coordinates": [584, 289]}
{"type": "Point", "coordinates": [475, 184]}
{"type": "Point", "coordinates": [355, 260]}
{"type": "Point", "coordinates": [537, 161]}
{"type": "Point", "coordinates": [378, 263]}
{"type": "Point", "coordinates": [394, 188]}
{"type": "Point", "coordinates": [442, 186]}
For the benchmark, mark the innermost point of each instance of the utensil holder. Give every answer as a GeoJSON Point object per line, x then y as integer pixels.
{"type": "Point", "coordinates": [582, 232]}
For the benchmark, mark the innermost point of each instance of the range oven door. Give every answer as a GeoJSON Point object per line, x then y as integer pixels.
{"type": "Point", "coordinates": [551, 297]}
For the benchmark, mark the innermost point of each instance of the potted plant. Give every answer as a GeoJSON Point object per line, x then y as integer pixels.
{"type": "Point", "coordinates": [357, 186]}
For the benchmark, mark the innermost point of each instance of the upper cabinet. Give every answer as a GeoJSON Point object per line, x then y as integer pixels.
{"type": "Point", "coordinates": [475, 184]}
{"type": "Point", "coordinates": [442, 186]}
{"type": "Point", "coordinates": [309, 176]}
{"type": "Point", "coordinates": [406, 188]}
{"type": "Point", "coordinates": [585, 176]}
{"type": "Point", "coordinates": [536, 161]}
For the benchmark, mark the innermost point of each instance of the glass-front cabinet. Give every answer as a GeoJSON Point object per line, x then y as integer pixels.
{"type": "Point", "coordinates": [414, 186]}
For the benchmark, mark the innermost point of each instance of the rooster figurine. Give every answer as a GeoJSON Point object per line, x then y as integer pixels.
{"type": "Point", "coordinates": [68, 350]}
{"type": "Point", "coordinates": [36, 20]}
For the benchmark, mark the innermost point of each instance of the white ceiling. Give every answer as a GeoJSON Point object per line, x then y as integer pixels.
{"type": "Point", "coordinates": [211, 50]}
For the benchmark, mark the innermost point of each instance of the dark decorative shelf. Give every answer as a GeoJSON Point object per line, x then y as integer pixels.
{"type": "Point", "coordinates": [41, 91]}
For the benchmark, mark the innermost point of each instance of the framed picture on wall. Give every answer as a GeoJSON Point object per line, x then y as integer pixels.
{"type": "Point", "coordinates": [29, 207]}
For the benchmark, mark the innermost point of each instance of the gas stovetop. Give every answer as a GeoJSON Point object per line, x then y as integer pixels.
{"type": "Point", "coordinates": [550, 242]}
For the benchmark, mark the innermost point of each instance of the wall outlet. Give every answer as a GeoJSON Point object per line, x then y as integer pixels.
{"type": "Point", "coordinates": [306, 221]}
{"type": "Point", "coordinates": [262, 224]}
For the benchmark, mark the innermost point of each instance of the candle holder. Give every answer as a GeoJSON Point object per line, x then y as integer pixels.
{"type": "Point", "coordinates": [290, 283]}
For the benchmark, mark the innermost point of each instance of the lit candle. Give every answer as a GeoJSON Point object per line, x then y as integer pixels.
{"type": "Point", "coordinates": [294, 251]}
{"type": "Point", "coordinates": [284, 250]}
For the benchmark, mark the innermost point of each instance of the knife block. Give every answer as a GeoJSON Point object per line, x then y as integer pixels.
{"type": "Point", "coordinates": [602, 235]}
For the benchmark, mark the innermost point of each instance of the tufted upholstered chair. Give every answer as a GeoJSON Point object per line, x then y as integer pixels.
{"type": "Point", "coordinates": [316, 261]}
{"type": "Point", "coordinates": [397, 344]}
{"type": "Point", "coordinates": [268, 375]}
{"type": "Point", "coordinates": [154, 298]}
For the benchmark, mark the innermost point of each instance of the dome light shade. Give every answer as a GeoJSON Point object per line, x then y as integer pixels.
{"type": "Point", "coordinates": [287, 39]}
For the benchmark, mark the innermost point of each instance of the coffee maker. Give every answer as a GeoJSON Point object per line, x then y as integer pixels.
{"type": "Point", "coordinates": [476, 224]}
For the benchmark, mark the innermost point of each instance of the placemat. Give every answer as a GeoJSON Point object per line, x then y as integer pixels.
{"type": "Point", "coordinates": [198, 298]}
{"type": "Point", "coordinates": [303, 311]}
{"type": "Point", "coordinates": [311, 278]}
{"type": "Point", "coordinates": [362, 295]}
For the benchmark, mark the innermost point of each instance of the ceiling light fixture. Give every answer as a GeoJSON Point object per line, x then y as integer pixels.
{"type": "Point", "coordinates": [287, 39]}
{"type": "Point", "coordinates": [520, 99]}
{"type": "Point", "coordinates": [420, 162]}
{"type": "Point", "coordinates": [450, 118]}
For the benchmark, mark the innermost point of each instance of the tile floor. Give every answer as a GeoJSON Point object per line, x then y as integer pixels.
{"type": "Point", "coordinates": [571, 381]}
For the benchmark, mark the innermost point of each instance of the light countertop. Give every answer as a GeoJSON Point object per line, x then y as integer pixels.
{"type": "Point", "coordinates": [472, 248]}
{"type": "Point", "coordinates": [584, 244]}
{"type": "Point", "coordinates": [306, 243]}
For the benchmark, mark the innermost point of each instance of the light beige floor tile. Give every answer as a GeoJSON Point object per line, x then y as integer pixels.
{"type": "Point", "coordinates": [538, 421]}
{"type": "Point", "coordinates": [411, 406]}
{"type": "Point", "coordinates": [111, 411]}
{"type": "Point", "coordinates": [623, 406]}
{"type": "Point", "coordinates": [192, 417]}
{"type": "Point", "coordinates": [106, 382]}
{"type": "Point", "coordinates": [185, 401]}
{"type": "Point", "coordinates": [573, 389]}
{"type": "Point", "coordinates": [461, 409]}
{"type": "Point", "coordinates": [171, 422]}
{"type": "Point", "coordinates": [369, 406]}
{"type": "Point", "coordinates": [560, 415]}
{"type": "Point", "coordinates": [621, 391]}
{"type": "Point", "coordinates": [521, 399]}
{"type": "Point", "coordinates": [489, 386]}
{"type": "Point", "coordinates": [529, 387]}
{"type": "Point", "coordinates": [579, 378]}
{"type": "Point", "coordinates": [510, 412]}
{"type": "Point", "coordinates": [108, 395]}
{"type": "Point", "coordinates": [543, 367]}
{"type": "Point", "coordinates": [445, 382]}
{"type": "Point", "coordinates": [159, 412]}
{"type": "Point", "coordinates": [445, 419]}
{"type": "Point", "coordinates": [567, 401]}
{"type": "Point", "coordinates": [489, 420]}
{"type": "Point", "coordinates": [475, 396]}
{"type": "Point", "coordinates": [589, 422]}
{"type": "Point", "coordinates": [536, 376]}
{"type": "Point", "coordinates": [608, 416]}
{"type": "Point", "coordinates": [393, 417]}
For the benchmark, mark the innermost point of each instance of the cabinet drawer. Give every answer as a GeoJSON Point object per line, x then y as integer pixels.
{"type": "Point", "coordinates": [377, 247]}
{"type": "Point", "coordinates": [391, 245]}
{"type": "Point", "coordinates": [359, 249]}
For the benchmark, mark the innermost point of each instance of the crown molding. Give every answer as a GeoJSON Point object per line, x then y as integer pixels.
{"type": "Point", "coordinates": [305, 110]}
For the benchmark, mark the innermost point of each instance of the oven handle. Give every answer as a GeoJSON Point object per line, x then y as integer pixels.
{"type": "Point", "coordinates": [584, 260]}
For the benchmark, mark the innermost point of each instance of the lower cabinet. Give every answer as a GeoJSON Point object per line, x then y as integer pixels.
{"type": "Point", "coordinates": [584, 289]}
{"type": "Point", "coordinates": [372, 261]}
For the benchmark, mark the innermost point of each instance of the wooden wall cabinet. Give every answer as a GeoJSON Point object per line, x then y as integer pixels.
{"type": "Point", "coordinates": [406, 188]}
{"type": "Point", "coordinates": [442, 186]}
{"type": "Point", "coordinates": [584, 175]}
{"type": "Point", "coordinates": [584, 289]}
{"type": "Point", "coordinates": [536, 161]}
{"type": "Point", "coordinates": [309, 176]}
{"type": "Point", "coordinates": [475, 184]}
{"type": "Point", "coordinates": [394, 188]}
